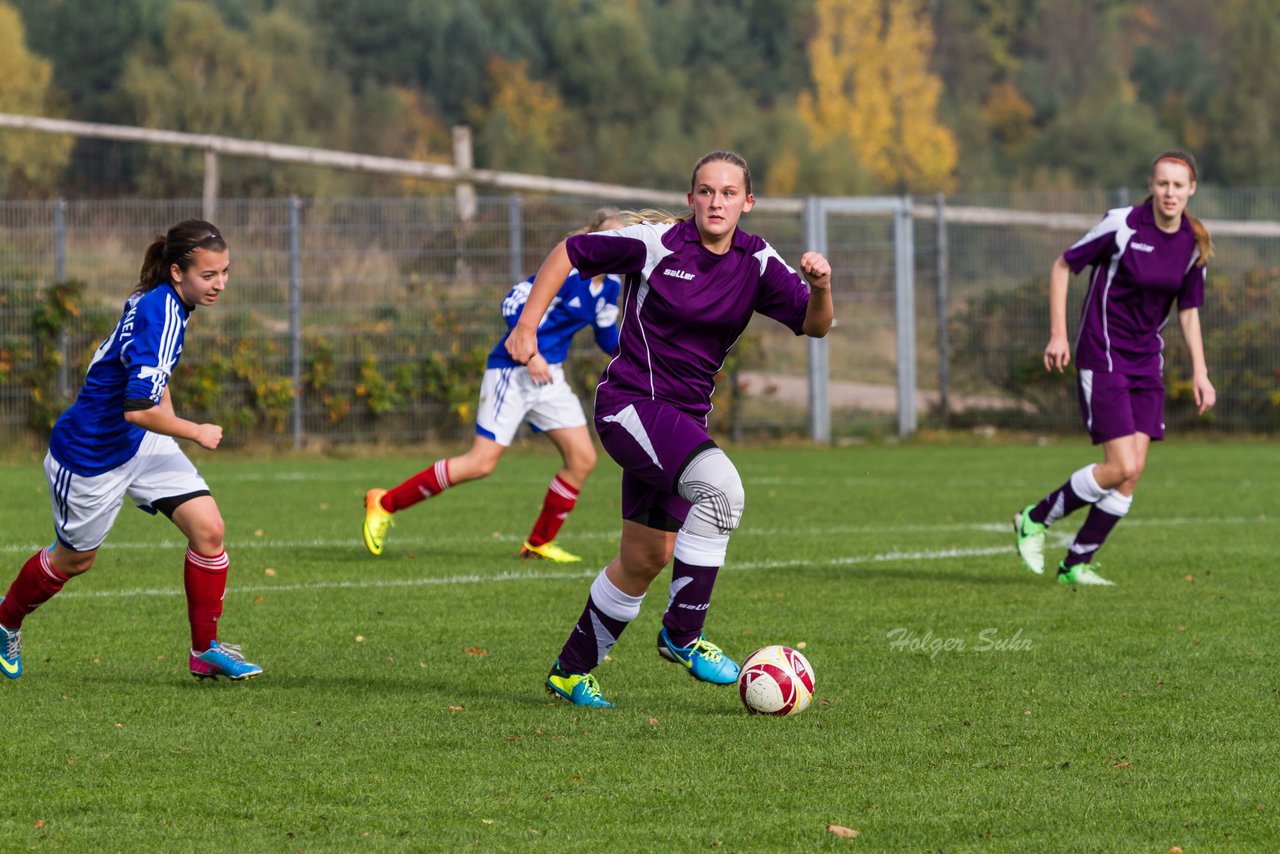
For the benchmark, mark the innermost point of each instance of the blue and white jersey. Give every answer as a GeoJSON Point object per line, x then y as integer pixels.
{"type": "Point", "coordinates": [129, 371]}
{"type": "Point", "coordinates": [578, 303]}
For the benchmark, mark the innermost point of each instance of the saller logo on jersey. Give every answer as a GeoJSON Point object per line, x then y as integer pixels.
{"type": "Point", "coordinates": [1143, 247]}
{"type": "Point", "coordinates": [678, 274]}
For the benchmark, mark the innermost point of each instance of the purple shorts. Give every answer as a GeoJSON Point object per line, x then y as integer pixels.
{"type": "Point", "coordinates": [652, 442]}
{"type": "Point", "coordinates": [1114, 405]}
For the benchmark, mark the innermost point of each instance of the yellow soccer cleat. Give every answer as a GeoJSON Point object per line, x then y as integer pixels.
{"type": "Point", "coordinates": [547, 551]}
{"type": "Point", "coordinates": [376, 521]}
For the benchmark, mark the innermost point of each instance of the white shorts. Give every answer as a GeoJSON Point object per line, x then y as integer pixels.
{"type": "Point", "coordinates": [84, 508]}
{"type": "Point", "coordinates": [508, 397]}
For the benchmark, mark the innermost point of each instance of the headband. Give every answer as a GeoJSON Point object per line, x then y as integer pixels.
{"type": "Point", "coordinates": [1181, 160]}
{"type": "Point", "coordinates": [172, 257]}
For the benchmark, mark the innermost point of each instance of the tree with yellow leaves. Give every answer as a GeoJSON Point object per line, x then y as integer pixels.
{"type": "Point", "coordinates": [522, 126]}
{"type": "Point", "coordinates": [873, 92]}
{"type": "Point", "coordinates": [29, 162]}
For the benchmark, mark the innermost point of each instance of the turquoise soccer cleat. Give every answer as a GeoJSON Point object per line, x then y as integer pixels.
{"type": "Point", "coordinates": [11, 652]}
{"type": "Point", "coordinates": [704, 660]}
{"type": "Point", "coordinates": [581, 689]}
{"type": "Point", "coordinates": [222, 659]}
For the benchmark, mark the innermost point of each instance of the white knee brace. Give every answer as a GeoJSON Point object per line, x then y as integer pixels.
{"type": "Point", "coordinates": [712, 484]}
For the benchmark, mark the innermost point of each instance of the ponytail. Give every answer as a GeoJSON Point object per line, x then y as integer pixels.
{"type": "Point", "coordinates": [154, 269]}
{"type": "Point", "coordinates": [654, 217]}
{"type": "Point", "coordinates": [1203, 241]}
{"type": "Point", "coordinates": [178, 246]}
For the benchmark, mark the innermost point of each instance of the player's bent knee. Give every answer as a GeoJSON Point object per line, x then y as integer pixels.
{"type": "Point", "coordinates": [70, 562]}
{"type": "Point", "coordinates": [714, 487]}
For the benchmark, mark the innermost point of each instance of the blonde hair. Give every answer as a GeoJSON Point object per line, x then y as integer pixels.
{"type": "Point", "coordinates": [599, 217]}
{"type": "Point", "coordinates": [660, 217]}
{"type": "Point", "coordinates": [1203, 241]}
{"type": "Point", "coordinates": [730, 157]}
{"type": "Point", "coordinates": [654, 217]}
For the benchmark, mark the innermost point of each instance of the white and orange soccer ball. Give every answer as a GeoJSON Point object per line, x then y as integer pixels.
{"type": "Point", "coordinates": [776, 680]}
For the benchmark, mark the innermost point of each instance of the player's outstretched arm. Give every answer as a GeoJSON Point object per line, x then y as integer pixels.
{"type": "Point", "coordinates": [522, 343]}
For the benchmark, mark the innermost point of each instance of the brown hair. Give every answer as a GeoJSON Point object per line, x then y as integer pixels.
{"type": "Point", "coordinates": [660, 217]}
{"type": "Point", "coordinates": [1203, 241]}
{"type": "Point", "coordinates": [177, 246]}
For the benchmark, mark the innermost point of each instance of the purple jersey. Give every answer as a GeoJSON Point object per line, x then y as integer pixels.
{"type": "Point", "coordinates": [683, 307]}
{"type": "Point", "coordinates": [1138, 271]}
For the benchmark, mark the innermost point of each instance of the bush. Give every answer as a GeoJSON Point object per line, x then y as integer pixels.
{"type": "Point", "coordinates": [1000, 335]}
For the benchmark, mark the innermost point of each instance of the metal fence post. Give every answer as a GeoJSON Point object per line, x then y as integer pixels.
{"type": "Point", "coordinates": [295, 316]}
{"type": "Point", "coordinates": [515, 236]}
{"type": "Point", "coordinates": [60, 276]}
{"type": "Point", "coordinates": [943, 310]}
{"type": "Point", "coordinates": [905, 310]}
{"type": "Point", "coordinates": [815, 228]}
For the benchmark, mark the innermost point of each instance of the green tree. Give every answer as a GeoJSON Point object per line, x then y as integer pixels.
{"type": "Point", "coordinates": [1245, 150]}
{"type": "Point", "coordinates": [266, 83]}
{"type": "Point", "coordinates": [29, 162]}
{"type": "Point", "coordinates": [1108, 145]}
{"type": "Point", "coordinates": [88, 41]}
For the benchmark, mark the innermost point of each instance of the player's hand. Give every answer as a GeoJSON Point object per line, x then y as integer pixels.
{"type": "Point", "coordinates": [1057, 353]}
{"type": "Point", "coordinates": [1205, 395]}
{"type": "Point", "coordinates": [539, 370]}
{"type": "Point", "coordinates": [816, 270]}
{"type": "Point", "coordinates": [208, 436]}
{"type": "Point", "coordinates": [522, 344]}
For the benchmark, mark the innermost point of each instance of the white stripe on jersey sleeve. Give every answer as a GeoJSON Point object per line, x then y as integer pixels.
{"type": "Point", "coordinates": [650, 234]}
{"type": "Point", "coordinates": [768, 252]}
{"type": "Point", "coordinates": [1113, 221]}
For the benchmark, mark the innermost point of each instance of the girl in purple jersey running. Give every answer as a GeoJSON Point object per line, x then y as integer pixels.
{"type": "Point", "coordinates": [1144, 258]}
{"type": "Point", "coordinates": [692, 285]}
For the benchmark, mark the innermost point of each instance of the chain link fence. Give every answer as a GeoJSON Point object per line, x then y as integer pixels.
{"type": "Point", "coordinates": [368, 320]}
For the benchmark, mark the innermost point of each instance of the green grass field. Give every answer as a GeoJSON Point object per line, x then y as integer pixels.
{"type": "Point", "coordinates": [962, 703]}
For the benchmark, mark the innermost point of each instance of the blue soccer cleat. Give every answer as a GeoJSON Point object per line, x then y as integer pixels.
{"type": "Point", "coordinates": [11, 652]}
{"type": "Point", "coordinates": [222, 659]}
{"type": "Point", "coordinates": [705, 661]}
{"type": "Point", "coordinates": [581, 689]}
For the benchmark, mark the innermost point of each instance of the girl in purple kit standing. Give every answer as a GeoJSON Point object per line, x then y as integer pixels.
{"type": "Point", "coordinates": [1144, 258]}
{"type": "Point", "coordinates": [692, 285]}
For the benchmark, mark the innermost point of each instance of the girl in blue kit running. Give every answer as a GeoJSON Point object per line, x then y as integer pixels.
{"type": "Point", "coordinates": [513, 393]}
{"type": "Point", "coordinates": [118, 439]}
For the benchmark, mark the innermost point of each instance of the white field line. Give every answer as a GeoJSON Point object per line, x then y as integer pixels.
{"type": "Point", "coordinates": [612, 534]}
{"type": "Point", "coordinates": [535, 575]}
{"type": "Point", "coordinates": [546, 575]}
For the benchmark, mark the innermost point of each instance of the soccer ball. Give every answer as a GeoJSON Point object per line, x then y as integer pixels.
{"type": "Point", "coordinates": [776, 680]}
